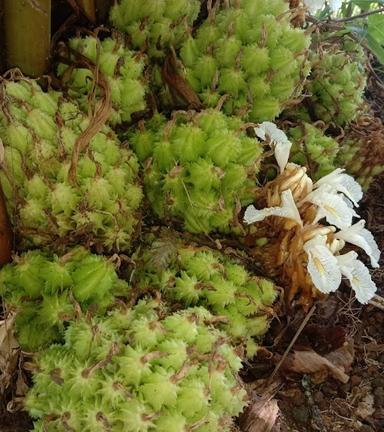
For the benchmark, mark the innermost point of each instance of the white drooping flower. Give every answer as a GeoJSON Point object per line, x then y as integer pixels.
{"type": "Point", "coordinates": [322, 265]}
{"type": "Point", "coordinates": [338, 181]}
{"type": "Point", "coordinates": [359, 236]}
{"type": "Point", "coordinates": [278, 141]}
{"type": "Point", "coordinates": [332, 207]}
{"type": "Point", "coordinates": [358, 275]}
{"type": "Point", "coordinates": [287, 210]}
{"type": "Point", "coordinates": [333, 198]}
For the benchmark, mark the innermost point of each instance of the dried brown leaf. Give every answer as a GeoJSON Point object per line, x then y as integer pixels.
{"type": "Point", "coordinates": [335, 363]}
{"type": "Point", "coordinates": [9, 352]}
{"type": "Point", "coordinates": [366, 406]}
{"type": "Point", "coordinates": [261, 416]}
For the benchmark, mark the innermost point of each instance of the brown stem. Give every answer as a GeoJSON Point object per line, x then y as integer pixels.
{"type": "Point", "coordinates": [27, 35]}
{"type": "Point", "coordinates": [362, 15]}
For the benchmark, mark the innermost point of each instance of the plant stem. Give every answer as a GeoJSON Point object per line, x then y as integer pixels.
{"type": "Point", "coordinates": [362, 15]}
{"type": "Point", "coordinates": [27, 35]}
{"type": "Point", "coordinates": [88, 8]}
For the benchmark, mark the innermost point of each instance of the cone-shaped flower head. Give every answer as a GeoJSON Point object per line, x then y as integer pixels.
{"type": "Point", "coordinates": [300, 250]}
{"type": "Point", "coordinates": [121, 68]}
{"type": "Point", "coordinates": [154, 26]}
{"type": "Point", "coordinates": [198, 168]}
{"type": "Point", "coordinates": [337, 81]}
{"type": "Point", "coordinates": [249, 51]}
{"type": "Point", "coordinates": [120, 385]}
{"type": "Point", "coordinates": [63, 183]}
{"type": "Point", "coordinates": [362, 149]}
{"type": "Point", "coordinates": [189, 275]}
{"type": "Point", "coordinates": [48, 291]}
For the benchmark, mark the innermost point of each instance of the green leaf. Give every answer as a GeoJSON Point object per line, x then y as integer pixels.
{"type": "Point", "coordinates": [376, 27]}
{"type": "Point", "coordinates": [376, 48]}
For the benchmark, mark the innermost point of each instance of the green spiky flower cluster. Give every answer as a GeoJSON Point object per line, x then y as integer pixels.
{"type": "Point", "coordinates": [250, 52]}
{"type": "Point", "coordinates": [199, 168]}
{"type": "Point", "coordinates": [154, 26]}
{"type": "Point", "coordinates": [48, 291]}
{"type": "Point", "coordinates": [135, 371]}
{"type": "Point", "coordinates": [53, 197]}
{"type": "Point", "coordinates": [362, 150]}
{"type": "Point", "coordinates": [313, 149]}
{"type": "Point", "coordinates": [337, 82]}
{"type": "Point", "coordinates": [122, 68]}
{"type": "Point", "coordinates": [195, 275]}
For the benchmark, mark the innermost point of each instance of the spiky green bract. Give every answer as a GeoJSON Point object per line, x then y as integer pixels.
{"type": "Point", "coordinates": [250, 52]}
{"type": "Point", "coordinates": [199, 168]}
{"type": "Point", "coordinates": [189, 275]}
{"type": "Point", "coordinates": [138, 370]}
{"type": "Point", "coordinates": [48, 291]}
{"type": "Point", "coordinates": [122, 68]}
{"type": "Point", "coordinates": [313, 149]}
{"type": "Point", "coordinates": [362, 149]}
{"type": "Point", "coordinates": [337, 82]}
{"type": "Point", "coordinates": [154, 26]}
{"type": "Point", "coordinates": [98, 206]}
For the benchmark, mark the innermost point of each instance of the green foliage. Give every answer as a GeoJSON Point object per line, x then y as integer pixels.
{"type": "Point", "coordinates": [154, 26]}
{"type": "Point", "coordinates": [198, 276]}
{"type": "Point", "coordinates": [48, 291]}
{"type": "Point", "coordinates": [47, 207]}
{"type": "Point", "coordinates": [250, 52]}
{"type": "Point", "coordinates": [199, 168]}
{"type": "Point", "coordinates": [138, 370]}
{"type": "Point", "coordinates": [122, 68]}
{"type": "Point", "coordinates": [337, 81]}
{"type": "Point", "coordinates": [313, 149]}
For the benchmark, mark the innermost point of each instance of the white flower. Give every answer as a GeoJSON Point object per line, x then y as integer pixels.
{"type": "Point", "coordinates": [333, 207]}
{"type": "Point", "coordinates": [322, 265]}
{"type": "Point", "coordinates": [338, 181]}
{"type": "Point", "coordinates": [287, 210]}
{"type": "Point", "coordinates": [361, 237]}
{"type": "Point", "coordinates": [278, 140]}
{"type": "Point", "coordinates": [358, 276]}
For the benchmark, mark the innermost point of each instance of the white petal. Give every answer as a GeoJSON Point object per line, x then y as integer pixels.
{"type": "Point", "coordinates": [347, 259]}
{"type": "Point", "coordinates": [282, 151]}
{"type": "Point", "coordinates": [358, 276]}
{"type": "Point", "coordinates": [322, 267]}
{"type": "Point", "coordinates": [279, 141]}
{"type": "Point", "coordinates": [252, 215]}
{"type": "Point", "coordinates": [361, 237]}
{"type": "Point", "coordinates": [260, 132]}
{"type": "Point", "coordinates": [338, 181]}
{"type": "Point", "coordinates": [333, 208]}
{"type": "Point", "coordinates": [287, 210]}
